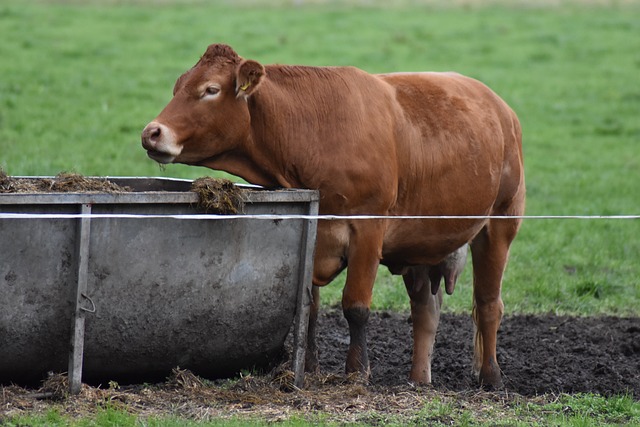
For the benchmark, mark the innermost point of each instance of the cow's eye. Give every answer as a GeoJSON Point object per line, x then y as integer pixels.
{"type": "Point", "coordinates": [211, 91]}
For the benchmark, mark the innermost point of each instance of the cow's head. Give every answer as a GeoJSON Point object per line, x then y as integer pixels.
{"type": "Point", "coordinates": [208, 115]}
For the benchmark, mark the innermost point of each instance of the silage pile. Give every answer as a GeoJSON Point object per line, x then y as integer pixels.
{"type": "Point", "coordinates": [218, 196]}
{"type": "Point", "coordinates": [62, 183]}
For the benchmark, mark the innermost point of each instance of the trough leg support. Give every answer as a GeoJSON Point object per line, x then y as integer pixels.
{"type": "Point", "coordinates": [77, 327]}
{"type": "Point", "coordinates": [304, 298]}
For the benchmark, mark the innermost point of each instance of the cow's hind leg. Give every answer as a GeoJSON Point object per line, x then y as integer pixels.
{"type": "Point", "coordinates": [490, 250]}
{"type": "Point", "coordinates": [425, 316]}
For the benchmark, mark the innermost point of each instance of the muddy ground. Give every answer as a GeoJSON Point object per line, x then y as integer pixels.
{"type": "Point", "coordinates": [537, 354]}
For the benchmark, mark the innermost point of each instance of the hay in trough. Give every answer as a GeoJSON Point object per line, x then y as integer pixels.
{"type": "Point", "coordinates": [74, 183]}
{"type": "Point", "coordinates": [218, 196]}
{"type": "Point", "coordinates": [62, 183]}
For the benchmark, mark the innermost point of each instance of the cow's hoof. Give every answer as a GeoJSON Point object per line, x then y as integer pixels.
{"type": "Point", "coordinates": [490, 379]}
{"type": "Point", "coordinates": [420, 379]}
{"type": "Point", "coordinates": [358, 377]}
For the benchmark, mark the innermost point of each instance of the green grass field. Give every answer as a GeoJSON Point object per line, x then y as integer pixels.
{"type": "Point", "coordinates": [78, 82]}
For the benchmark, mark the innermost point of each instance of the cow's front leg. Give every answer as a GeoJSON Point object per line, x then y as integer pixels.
{"type": "Point", "coordinates": [425, 316]}
{"type": "Point", "coordinates": [365, 250]}
{"type": "Point", "coordinates": [329, 261]}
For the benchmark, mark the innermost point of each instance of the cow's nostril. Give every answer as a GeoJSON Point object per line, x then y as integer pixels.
{"type": "Point", "coordinates": [155, 132]}
{"type": "Point", "coordinates": [151, 135]}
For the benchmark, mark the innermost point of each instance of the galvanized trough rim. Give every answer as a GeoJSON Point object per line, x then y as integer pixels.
{"type": "Point", "coordinates": [180, 193]}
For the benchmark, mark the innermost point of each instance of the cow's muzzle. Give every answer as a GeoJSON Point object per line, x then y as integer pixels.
{"type": "Point", "coordinates": [160, 143]}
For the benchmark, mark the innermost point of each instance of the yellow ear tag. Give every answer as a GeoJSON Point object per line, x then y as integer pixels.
{"type": "Point", "coordinates": [245, 86]}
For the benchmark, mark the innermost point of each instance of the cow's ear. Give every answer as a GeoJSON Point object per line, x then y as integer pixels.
{"type": "Point", "coordinates": [248, 76]}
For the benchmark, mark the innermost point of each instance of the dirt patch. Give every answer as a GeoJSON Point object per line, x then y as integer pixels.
{"type": "Point", "coordinates": [537, 354]}
{"type": "Point", "coordinates": [62, 183]}
{"type": "Point", "coordinates": [218, 196]}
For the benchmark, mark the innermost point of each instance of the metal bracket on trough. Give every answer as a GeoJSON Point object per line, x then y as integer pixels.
{"type": "Point", "coordinates": [77, 322]}
{"type": "Point", "coordinates": [301, 322]}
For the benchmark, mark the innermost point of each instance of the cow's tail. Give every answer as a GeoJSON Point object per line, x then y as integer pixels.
{"type": "Point", "coordinates": [478, 345]}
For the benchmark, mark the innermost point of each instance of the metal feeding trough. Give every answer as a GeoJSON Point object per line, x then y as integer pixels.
{"type": "Point", "coordinates": [122, 287]}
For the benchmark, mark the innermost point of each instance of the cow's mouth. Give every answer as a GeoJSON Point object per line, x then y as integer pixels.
{"type": "Point", "coordinates": [160, 157]}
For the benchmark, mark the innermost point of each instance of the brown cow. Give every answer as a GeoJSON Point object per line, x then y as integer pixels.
{"type": "Point", "coordinates": [391, 144]}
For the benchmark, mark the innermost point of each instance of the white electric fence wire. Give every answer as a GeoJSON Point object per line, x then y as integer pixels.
{"type": "Point", "coordinates": [307, 217]}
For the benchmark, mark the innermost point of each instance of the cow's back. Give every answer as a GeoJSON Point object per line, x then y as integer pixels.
{"type": "Point", "coordinates": [398, 144]}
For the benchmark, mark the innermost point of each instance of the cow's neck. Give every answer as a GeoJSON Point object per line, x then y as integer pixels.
{"type": "Point", "coordinates": [247, 167]}
{"type": "Point", "coordinates": [278, 140]}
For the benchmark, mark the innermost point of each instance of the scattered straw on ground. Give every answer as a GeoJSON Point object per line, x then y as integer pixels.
{"type": "Point", "coordinates": [62, 183]}
{"type": "Point", "coordinates": [218, 196]}
{"type": "Point", "coordinates": [267, 397]}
